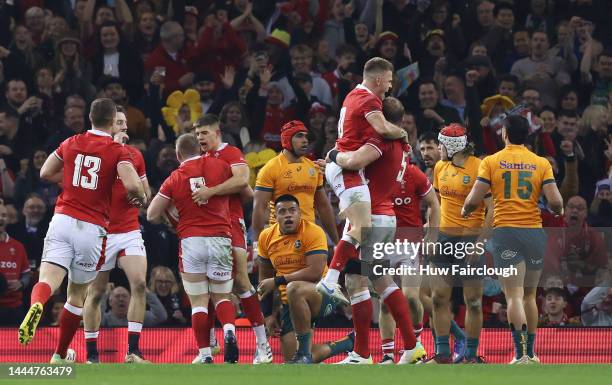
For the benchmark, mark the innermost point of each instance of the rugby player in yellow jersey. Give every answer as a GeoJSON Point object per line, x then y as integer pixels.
{"type": "Point", "coordinates": [291, 172]}
{"type": "Point", "coordinates": [516, 177]}
{"type": "Point", "coordinates": [293, 258]}
{"type": "Point", "coordinates": [453, 177]}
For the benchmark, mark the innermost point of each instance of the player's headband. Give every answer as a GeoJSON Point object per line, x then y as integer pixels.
{"type": "Point", "coordinates": [288, 130]}
{"type": "Point", "coordinates": [453, 138]}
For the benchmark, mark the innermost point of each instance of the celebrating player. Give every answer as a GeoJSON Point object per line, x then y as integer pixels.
{"type": "Point", "coordinates": [361, 118]}
{"type": "Point", "coordinates": [209, 136]}
{"type": "Point", "coordinates": [407, 196]}
{"type": "Point", "coordinates": [125, 248]}
{"type": "Point", "coordinates": [386, 162]}
{"type": "Point", "coordinates": [205, 237]}
{"type": "Point", "coordinates": [89, 164]}
{"type": "Point", "coordinates": [292, 258]}
{"type": "Point", "coordinates": [453, 177]}
{"type": "Point", "coordinates": [516, 177]}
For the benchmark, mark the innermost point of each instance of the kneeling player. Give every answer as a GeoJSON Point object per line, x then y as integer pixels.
{"type": "Point", "coordinates": [205, 241]}
{"type": "Point", "coordinates": [454, 176]}
{"type": "Point", "coordinates": [125, 248]}
{"type": "Point", "coordinates": [292, 258]}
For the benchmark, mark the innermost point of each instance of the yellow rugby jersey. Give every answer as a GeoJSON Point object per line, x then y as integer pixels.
{"type": "Point", "coordinates": [298, 179]}
{"type": "Point", "coordinates": [516, 176]}
{"type": "Point", "coordinates": [287, 253]}
{"type": "Point", "coordinates": [454, 183]}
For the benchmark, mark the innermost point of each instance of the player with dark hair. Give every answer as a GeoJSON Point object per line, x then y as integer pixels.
{"type": "Point", "coordinates": [237, 187]}
{"type": "Point", "coordinates": [292, 258]}
{"type": "Point", "coordinates": [517, 177]}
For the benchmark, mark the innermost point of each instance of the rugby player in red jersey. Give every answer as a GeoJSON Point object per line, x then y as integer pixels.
{"type": "Point", "coordinates": [384, 161]}
{"type": "Point", "coordinates": [361, 118]}
{"type": "Point", "coordinates": [75, 244]}
{"type": "Point", "coordinates": [125, 248]}
{"type": "Point", "coordinates": [236, 188]}
{"type": "Point", "coordinates": [204, 230]}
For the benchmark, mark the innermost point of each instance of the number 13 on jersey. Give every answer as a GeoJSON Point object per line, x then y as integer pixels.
{"type": "Point", "coordinates": [91, 164]}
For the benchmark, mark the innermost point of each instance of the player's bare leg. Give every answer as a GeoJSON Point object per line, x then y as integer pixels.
{"type": "Point", "coordinates": [472, 296]}
{"type": "Point", "coordinates": [196, 288]}
{"type": "Point", "coordinates": [305, 303]}
{"type": "Point", "coordinates": [532, 277]}
{"type": "Point", "coordinates": [361, 304]}
{"type": "Point", "coordinates": [250, 304]}
{"type": "Point", "coordinates": [392, 296]}
{"type": "Point", "coordinates": [226, 314]}
{"type": "Point", "coordinates": [69, 322]}
{"type": "Point", "coordinates": [50, 278]}
{"type": "Point", "coordinates": [441, 297]}
{"type": "Point", "coordinates": [135, 268]}
{"type": "Point", "coordinates": [514, 292]}
{"type": "Point", "coordinates": [92, 315]}
{"type": "Point", "coordinates": [358, 214]}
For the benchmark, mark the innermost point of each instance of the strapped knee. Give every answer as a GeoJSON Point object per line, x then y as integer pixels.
{"type": "Point", "coordinates": [223, 287]}
{"type": "Point", "coordinates": [196, 288]}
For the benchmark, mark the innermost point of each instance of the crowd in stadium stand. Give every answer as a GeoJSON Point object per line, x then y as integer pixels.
{"type": "Point", "coordinates": [260, 64]}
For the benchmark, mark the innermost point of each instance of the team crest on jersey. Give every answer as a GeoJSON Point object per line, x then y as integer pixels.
{"type": "Point", "coordinates": [12, 251]}
{"type": "Point", "coordinates": [466, 179]}
{"type": "Point", "coordinates": [311, 172]}
{"type": "Point", "coordinates": [297, 244]}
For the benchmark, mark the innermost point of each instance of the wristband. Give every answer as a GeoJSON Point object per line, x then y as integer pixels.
{"type": "Point", "coordinates": [280, 280]}
{"type": "Point", "coordinates": [333, 154]}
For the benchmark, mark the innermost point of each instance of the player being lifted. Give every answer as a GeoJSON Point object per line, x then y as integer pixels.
{"type": "Point", "coordinates": [516, 178]}
{"type": "Point", "coordinates": [361, 118]}
{"type": "Point", "coordinates": [75, 244]}
{"type": "Point", "coordinates": [209, 136]}
{"type": "Point", "coordinates": [453, 177]}
{"type": "Point", "coordinates": [408, 194]}
{"type": "Point", "coordinates": [384, 161]}
{"type": "Point", "coordinates": [124, 247]}
{"type": "Point", "coordinates": [204, 232]}
{"type": "Point", "coordinates": [292, 258]}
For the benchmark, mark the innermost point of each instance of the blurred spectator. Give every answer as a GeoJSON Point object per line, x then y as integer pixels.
{"type": "Point", "coordinates": [115, 58]}
{"type": "Point", "coordinates": [597, 307]}
{"type": "Point", "coordinates": [432, 115]}
{"type": "Point", "coordinates": [592, 133]}
{"type": "Point", "coordinates": [146, 37]}
{"type": "Point", "coordinates": [32, 227]}
{"type": "Point", "coordinates": [74, 123]}
{"type": "Point", "coordinates": [554, 310]}
{"type": "Point", "coordinates": [213, 98]}
{"type": "Point", "coordinates": [166, 163]}
{"type": "Point", "coordinates": [600, 211]}
{"type": "Point", "coordinates": [72, 71]}
{"type": "Point", "coordinates": [541, 70]}
{"type": "Point", "coordinates": [118, 298]}
{"type": "Point", "coordinates": [597, 83]}
{"type": "Point", "coordinates": [163, 283]}
{"type": "Point", "coordinates": [160, 241]}
{"type": "Point", "coordinates": [15, 269]}
{"type": "Point", "coordinates": [234, 125]}
{"type": "Point", "coordinates": [172, 59]}
{"type": "Point", "coordinates": [114, 89]}
{"type": "Point", "coordinates": [53, 309]}
{"type": "Point", "coordinates": [508, 86]}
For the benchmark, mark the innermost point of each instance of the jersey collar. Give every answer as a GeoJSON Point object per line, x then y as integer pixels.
{"type": "Point", "coordinates": [99, 132]}
{"type": "Point", "coordinates": [362, 87]}
{"type": "Point", "coordinates": [189, 159]}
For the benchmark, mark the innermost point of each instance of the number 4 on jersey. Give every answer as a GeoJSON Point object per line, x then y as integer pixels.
{"type": "Point", "coordinates": [92, 165]}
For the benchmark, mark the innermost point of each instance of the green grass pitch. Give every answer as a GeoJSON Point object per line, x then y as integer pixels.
{"type": "Point", "coordinates": [119, 374]}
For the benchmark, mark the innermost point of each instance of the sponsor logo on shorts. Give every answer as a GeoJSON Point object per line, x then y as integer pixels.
{"type": "Point", "coordinates": [85, 264]}
{"type": "Point", "coordinates": [508, 254]}
{"type": "Point", "coordinates": [221, 273]}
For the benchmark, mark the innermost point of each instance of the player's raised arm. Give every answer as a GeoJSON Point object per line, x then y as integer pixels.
{"type": "Point", "coordinates": [52, 169]}
{"type": "Point", "coordinates": [355, 160]}
{"type": "Point", "coordinates": [132, 183]}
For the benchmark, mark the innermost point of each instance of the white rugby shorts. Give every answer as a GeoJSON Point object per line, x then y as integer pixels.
{"type": "Point", "coordinates": [207, 255]}
{"type": "Point", "coordinates": [120, 245]}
